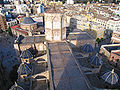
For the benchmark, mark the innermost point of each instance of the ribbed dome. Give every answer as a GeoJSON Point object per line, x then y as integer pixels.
{"type": "Point", "coordinates": [28, 20]}
{"type": "Point", "coordinates": [24, 69]}
{"type": "Point", "coordinates": [110, 77]}
{"type": "Point", "coordinates": [87, 48]}
{"type": "Point", "coordinates": [16, 87]}
{"type": "Point", "coordinates": [26, 54]}
{"type": "Point", "coordinates": [95, 60]}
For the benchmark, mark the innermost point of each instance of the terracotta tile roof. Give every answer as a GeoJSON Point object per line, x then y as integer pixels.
{"type": "Point", "coordinates": [98, 16]}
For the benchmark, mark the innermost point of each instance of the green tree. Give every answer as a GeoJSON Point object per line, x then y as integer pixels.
{"type": "Point", "coordinates": [98, 40]}
{"type": "Point", "coordinates": [9, 31]}
{"type": "Point", "coordinates": [64, 1]}
{"type": "Point", "coordinates": [102, 39]}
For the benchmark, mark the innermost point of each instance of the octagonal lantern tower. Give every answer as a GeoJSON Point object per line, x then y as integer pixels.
{"type": "Point", "coordinates": [55, 29]}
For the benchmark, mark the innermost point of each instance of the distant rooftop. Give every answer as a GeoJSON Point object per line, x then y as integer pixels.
{"type": "Point", "coordinates": [54, 10]}
{"type": "Point", "coordinates": [112, 48]}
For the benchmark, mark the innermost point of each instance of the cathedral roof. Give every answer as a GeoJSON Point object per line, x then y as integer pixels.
{"type": "Point", "coordinates": [110, 77]}
{"type": "Point", "coordinates": [95, 60]}
{"type": "Point", "coordinates": [24, 69]}
{"type": "Point", "coordinates": [28, 20]}
{"type": "Point", "coordinates": [87, 48]}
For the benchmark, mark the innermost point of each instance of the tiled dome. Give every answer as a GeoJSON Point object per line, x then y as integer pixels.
{"type": "Point", "coordinates": [24, 69]}
{"type": "Point", "coordinates": [110, 77]}
{"type": "Point", "coordinates": [95, 60]}
{"type": "Point", "coordinates": [16, 87]}
{"type": "Point", "coordinates": [87, 48]}
{"type": "Point", "coordinates": [26, 54]}
{"type": "Point", "coordinates": [28, 20]}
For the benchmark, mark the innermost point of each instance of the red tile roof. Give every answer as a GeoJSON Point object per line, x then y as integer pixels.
{"type": "Point", "coordinates": [16, 27]}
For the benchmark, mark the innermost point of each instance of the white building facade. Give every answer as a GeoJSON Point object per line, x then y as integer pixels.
{"type": "Point", "coordinates": [11, 23]}
{"type": "Point", "coordinates": [70, 1]}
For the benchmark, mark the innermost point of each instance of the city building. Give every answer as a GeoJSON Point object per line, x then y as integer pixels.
{"type": "Point", "coordinates": [28, 23]}
{"type": "Point", "coordinates": [81, 22]}
{"type": "Point", "coordinates": [27, 27]}
{"type": "Point", "coordinates": [112, 52]}
{"type": "Point", "coordinates": [85, 23]}
{"type": "Point", "coordinates": [115, 36]}
{"type": "Point", "coordinates": [55, 3]}
{"type": "Point", "coordinates": [21, 8]}
{"type": "Point", "coordinates": [40, 9]}
{"type": "Point", "coordinates": [96, 30]}
{"type": "Point", "coordinates": [17, 31]}
{"type": "Point", "coordinates": [17, 2]}
{"type": "Point", "coordinates": [12, 23]}
{"type": "Point", "coordinates": [41, 1]}
{"type": "Point", "coordinates": [102, 20]}
{"type": "Point", "coordinates": [70, 1]}
{"type": "Point", "coordinates": [3, 23]}
{"type": "Point", "coordinates": [113, 24]}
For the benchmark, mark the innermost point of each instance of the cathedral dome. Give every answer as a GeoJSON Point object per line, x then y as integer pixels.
{"type": "Point", "coordinates": [28, 20]}
{"type": "Point", "coordinates": [87, 48]}
{"type": "Point", "coordinates": [26, 54]}
{"type": "Point", "coordinates": [24, 69]}
{"type": "Point", "coordinates": [110, 77]}
{"type": "Point", "coordinates": [28, 23]}
{"type": "Point", "coordinates": [95, 60]}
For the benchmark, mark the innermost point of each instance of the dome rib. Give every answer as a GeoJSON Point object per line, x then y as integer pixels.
{"type": "Point", "coordinates": [87, 48]}
{"type": "Point", "coordinates": [95, 60]}
{"type": "Point", "coordinates": [24, 69]}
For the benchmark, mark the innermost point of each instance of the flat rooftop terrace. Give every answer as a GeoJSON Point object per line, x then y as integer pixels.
{"type": "Point", "coordinates": [65, 73]}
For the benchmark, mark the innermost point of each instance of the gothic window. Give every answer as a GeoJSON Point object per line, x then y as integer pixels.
{"type": "Point", "coordinates": [48, 24]}
{"type": "Point", "coordinates": [56, 25]}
